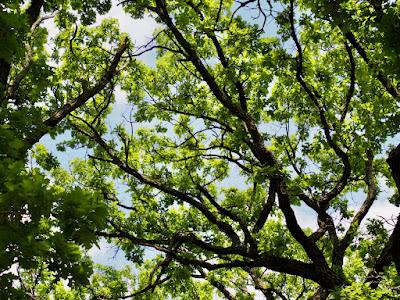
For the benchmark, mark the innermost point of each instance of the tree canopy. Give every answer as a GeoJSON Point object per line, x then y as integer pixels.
{"type": "Point", "coordinates": [252, 111]}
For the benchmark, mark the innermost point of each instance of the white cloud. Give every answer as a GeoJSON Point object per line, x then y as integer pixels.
{"type": "Point", "coordinates": [140, 30]}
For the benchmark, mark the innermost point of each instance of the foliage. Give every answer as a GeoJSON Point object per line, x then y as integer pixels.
{"type": "Point", "coordinates": [242, 123]}
{"type": "Point", "coordinates": [48, 222]}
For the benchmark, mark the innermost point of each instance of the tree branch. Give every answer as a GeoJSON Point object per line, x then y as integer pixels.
{"type": "Point", "coordinates": [77, 102]}
{"type": "Point", "coordinates": [387, 84]}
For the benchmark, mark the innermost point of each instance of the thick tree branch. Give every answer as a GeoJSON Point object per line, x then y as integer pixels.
{"type": "Point", "coordinates": [266, 209]}
{"type": "Point", "coordinates": [350, 91]}
{"type": "Point", "coordinates": [309, 246]}
{"type": "Point", "coordinates": [269, 261]}
{"type": "Point", "coordinates": [77, 102]}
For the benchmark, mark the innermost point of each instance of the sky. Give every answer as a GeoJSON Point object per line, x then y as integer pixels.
{"type": "Point", "coordinates": [140, 32]}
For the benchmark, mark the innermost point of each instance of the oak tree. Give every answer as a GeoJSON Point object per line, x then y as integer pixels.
{"type": "Point", "coordinates": [253, 111]}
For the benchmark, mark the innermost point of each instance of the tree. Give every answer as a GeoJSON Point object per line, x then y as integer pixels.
{"type": "Point", "coordinates": [238, 125]}
{"type": "Point", "coordinates": [39, 227]}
